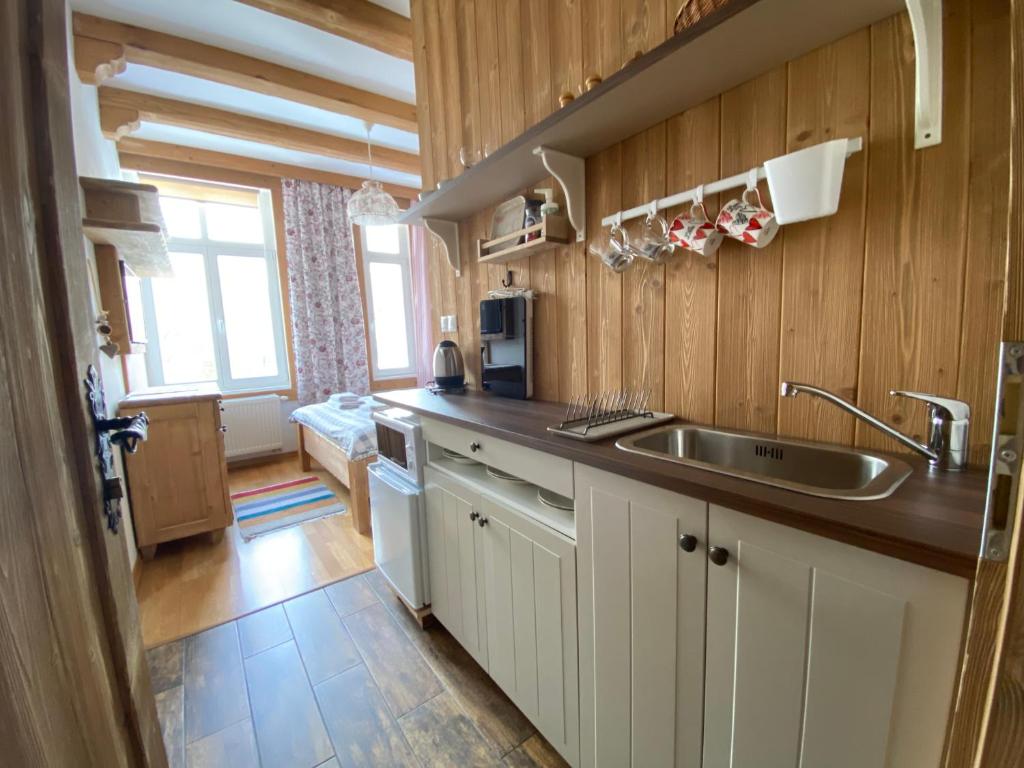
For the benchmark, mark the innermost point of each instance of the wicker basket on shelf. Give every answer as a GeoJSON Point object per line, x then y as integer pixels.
{"type": "Point", "coordinates": [692, 11]}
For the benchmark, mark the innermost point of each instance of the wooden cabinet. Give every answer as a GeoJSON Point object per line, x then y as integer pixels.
{"type": "Point", "coordinates": [641, 622]}
{"type": "Point", "coordinates": [820, 653]}
{"type": "Point", "coordinates": [530, 596]}
{"type": "Point", "coordinates": [177, 479]}
{"type": "Point", "coordinates": [455, 565]}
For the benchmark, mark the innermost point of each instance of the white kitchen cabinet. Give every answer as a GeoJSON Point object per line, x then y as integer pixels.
{"type": "Point", "coordinates": [641, 622]}
{"type": "Point", "coordinates": [456, 567]}
{"type": "Point", "coordinates": [530, 588]}
{"type": "Point", "coordinates": [823, 654]}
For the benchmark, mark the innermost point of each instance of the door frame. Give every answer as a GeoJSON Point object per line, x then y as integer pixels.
{"type": "Point", "coordinates": [74, 685]}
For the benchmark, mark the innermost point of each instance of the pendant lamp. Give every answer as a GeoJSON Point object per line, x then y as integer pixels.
{"type": "Point", "coordinates": [371, 204]}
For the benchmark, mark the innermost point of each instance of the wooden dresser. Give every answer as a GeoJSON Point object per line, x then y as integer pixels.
{"type": "Point", "coordinates": [177, 480]}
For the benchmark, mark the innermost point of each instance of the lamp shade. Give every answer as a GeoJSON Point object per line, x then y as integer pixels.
{"type": "Point", "coordinates": [372, 205]}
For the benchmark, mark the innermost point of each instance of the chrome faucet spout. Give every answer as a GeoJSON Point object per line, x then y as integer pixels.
{"type": "Point", "coordinates": [949, 420]}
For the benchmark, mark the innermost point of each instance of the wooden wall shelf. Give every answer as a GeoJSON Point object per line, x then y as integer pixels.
{"type": "Point", "coordinates": [553, 231]}
{"type": "Point", "coordinates": [127, 216]}
{"type": "Point", "coordinates": [725, 49]}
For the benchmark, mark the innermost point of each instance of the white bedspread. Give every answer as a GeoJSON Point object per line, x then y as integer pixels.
{"type": "Point", "coordinates": [351, 429]}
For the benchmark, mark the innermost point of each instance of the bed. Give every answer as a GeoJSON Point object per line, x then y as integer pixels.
{"type": "Point", "coordinates": [344, 442]}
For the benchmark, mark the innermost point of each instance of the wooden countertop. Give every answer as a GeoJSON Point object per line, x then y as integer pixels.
{"type": "Point", "coordinates": [170, 395]}
{"type": "Point", "coordinates": [933, 518]}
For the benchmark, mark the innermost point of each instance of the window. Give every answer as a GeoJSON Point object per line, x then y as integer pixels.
{"type": "Point", "coordinates": [389, 300]}
{"type": "Point", "coordinates": [219, 317]}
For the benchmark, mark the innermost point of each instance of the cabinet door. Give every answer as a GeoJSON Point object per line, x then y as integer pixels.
{"type": "Point", "coordinates": [530, 589]}
{"type": "Point", "coordinates": [175, 478]}
{"type": "Point", "coordinates": [820, 653]}
{"type": "Point", "coordinates": [455, 567]}
{"type": "Point", "coordinates": [641, 622]}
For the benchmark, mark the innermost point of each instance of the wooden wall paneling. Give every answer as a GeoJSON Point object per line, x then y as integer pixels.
{"type": "Point", "coordinates": [643, 286]}
{"type": "Point", "coordinates": [753, 121]}
{"type": "Point", "coordinates": [539, 101]}
{"type": "Point", "coordinates": [489, 92]}
{"type": "Point", "coordinates": [916, 228]}
{"type": "Point", "coordinates": [421, 64]}
{"type": "Point", "coordinates": [450, 84]}
{"type": "Point", "coordinates": [604, 287]}
{"type": "Point", "coordinates": [566, 47]}
{"type": "Point", "coordinates": [510, 69]}
{"type": "Point", "coordinates": [436, 142]}
{"type": "Point", "coordinates": [823, 259]}
{"type": "Point", "coordinates": [601, 35]}
{"type": "Point", "coordinates": [469, 83]}
{"type": "Point", "coordinates": [985, 264]}
{"type": "Point", "coordinates": [643, 26]}
{"type": "Point", "coordinates": [466, 299]}
{"type": "Point", "coordinates": [691, 281]}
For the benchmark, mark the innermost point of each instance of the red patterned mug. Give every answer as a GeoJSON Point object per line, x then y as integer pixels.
{"type": "Point", "coordinates": [747, 220]}
{"type": "Point", "coordinates": [695, 232]}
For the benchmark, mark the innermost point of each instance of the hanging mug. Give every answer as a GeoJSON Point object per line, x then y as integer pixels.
{"type": "Point", "coordinates": [653, 243]}
{"type": "Point", "coordinates": [695, 231]}
{"type": "Point", "coordinates": [617, 254]}
{"type": "Point", "coordinates": [746, 219]}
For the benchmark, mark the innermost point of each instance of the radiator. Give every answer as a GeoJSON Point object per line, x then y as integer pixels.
{"type": "Point", "coordinates": [253, 425]}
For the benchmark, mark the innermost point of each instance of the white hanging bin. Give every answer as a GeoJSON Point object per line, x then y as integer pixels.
{"type": "Point", "coordinates": [805, 184]}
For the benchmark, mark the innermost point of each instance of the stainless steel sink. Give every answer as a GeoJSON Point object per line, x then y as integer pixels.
{"type": "Point", "coordinates": [829, 471]}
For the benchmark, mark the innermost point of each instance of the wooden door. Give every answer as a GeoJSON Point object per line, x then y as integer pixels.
{"type": "Point", "coordinates": [819, 653]}
{"type": "Point", "coordinates": [641, 623]}
{"type": "Point", "coordinates": [74, 686]}
{"type": "Point", "coordinates": [530, 594]}
{"type": "Point", "coordinates": [456, 569]}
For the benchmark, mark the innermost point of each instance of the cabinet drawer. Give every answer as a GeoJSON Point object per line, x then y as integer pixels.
{"type": "Point", "coordinates": [545, 470]}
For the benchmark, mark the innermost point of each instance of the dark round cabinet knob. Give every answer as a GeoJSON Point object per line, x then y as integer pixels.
{"type": "Point", "coordinates": [482, 522]}
{"type": "Point", "coordinates": [718, 555]}
{"type": "Point", "coordinates": [474, 446]}
{"type": "Point", "coordinates": [474, 515]}
{"type": "Point", "coordinates": [687, 543]}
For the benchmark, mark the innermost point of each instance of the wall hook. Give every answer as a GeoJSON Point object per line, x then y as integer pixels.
{"type": "Point", "coordinates": [507, 282]}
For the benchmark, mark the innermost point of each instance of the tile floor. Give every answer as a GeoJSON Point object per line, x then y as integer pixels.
{"type": "Point", "coordinates": [341, 676]}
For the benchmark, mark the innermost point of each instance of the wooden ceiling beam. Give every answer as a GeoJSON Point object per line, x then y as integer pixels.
{"type": "Point", "coordinates": [121, 112]}
{"type": "Point", "coordinates": [177, 160]}
{"type": "Point", "coordinates": [103, 47]}
{"type": "Point", "coordinates": [357, 20]}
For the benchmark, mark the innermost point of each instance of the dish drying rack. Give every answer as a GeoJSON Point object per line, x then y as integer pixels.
{"type": "Point", "coordinates": [592, 418]}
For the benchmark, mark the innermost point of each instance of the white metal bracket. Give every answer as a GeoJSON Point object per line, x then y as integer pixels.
{"type": "Point", "coordinates": [448, 233]}
{"type": "Point", "coordinates": [926, 22]}
{"type": "Point", "coordinates": [571, 173]}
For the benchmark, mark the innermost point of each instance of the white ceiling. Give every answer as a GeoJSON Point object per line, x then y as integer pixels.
{"type": "Point", "coordinates": [237, 27]}
{"type": "Point", "coordinates": [186, 137]}
{"type": "Point", "coordinates": [243, 29]}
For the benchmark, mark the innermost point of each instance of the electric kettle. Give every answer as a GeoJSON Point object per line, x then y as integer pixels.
{"type": "Point", "coordinates": [449, 370]}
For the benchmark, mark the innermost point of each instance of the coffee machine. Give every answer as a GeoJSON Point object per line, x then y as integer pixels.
{"type": "Point", "coordinates": [506, 352]}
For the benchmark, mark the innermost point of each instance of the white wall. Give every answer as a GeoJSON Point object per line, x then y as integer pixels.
{"type": "Point", "coordinates": [96, 156]}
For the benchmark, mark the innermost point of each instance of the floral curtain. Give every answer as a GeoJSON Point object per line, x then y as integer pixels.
{"type": "Point", "coordinates": [327, 313]}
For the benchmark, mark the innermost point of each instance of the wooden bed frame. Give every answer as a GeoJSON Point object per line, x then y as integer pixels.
{"type": "Point", "coordinates": [351, 474]}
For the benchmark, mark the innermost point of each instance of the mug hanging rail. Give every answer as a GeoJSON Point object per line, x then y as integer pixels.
{"type": "Point", "coordinates": [732, 182]}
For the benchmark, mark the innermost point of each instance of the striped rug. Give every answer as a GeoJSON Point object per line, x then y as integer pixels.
{"type": "Point", "coordinates": [273, 507]}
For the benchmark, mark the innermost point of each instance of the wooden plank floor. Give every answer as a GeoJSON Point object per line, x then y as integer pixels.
{"type": "Point", "coordinates": [194, 584]}
{"type": "Point", "coordinates": [261, 691]}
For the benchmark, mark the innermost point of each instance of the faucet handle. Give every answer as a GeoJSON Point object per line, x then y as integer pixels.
{"type": "Point", "coordinates": [957, 410]}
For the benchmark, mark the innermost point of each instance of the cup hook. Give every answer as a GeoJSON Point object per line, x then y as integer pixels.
{"type": "Point", "coordinates": [652, 209]}
{"type": "Point", "coordinates": [752, 179]}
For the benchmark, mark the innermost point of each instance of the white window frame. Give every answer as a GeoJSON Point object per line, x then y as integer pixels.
{"type": "Point", "coordinates": [402, 259]}
{"type": "Point", "coordinates": [211, 249]}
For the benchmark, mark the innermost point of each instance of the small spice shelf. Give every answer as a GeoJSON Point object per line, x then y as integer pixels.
{"type": "Point", "coordinates": [551, 232]}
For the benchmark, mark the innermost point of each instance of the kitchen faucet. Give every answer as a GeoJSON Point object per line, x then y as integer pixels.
{"type": "Point", "coordinates": [948, 419]}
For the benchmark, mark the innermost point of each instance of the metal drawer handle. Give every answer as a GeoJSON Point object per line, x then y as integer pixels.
{"type": "Point", "coordinates": [474, 515]}
{"type": "Point", "coordinates": [482, 522]}
{"type": "Point", "coordinates": [687, 542]}
{"type": "Point", "coordinates": [224, 428]}
{"type": "Point", "coordinates": [474, 446]}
